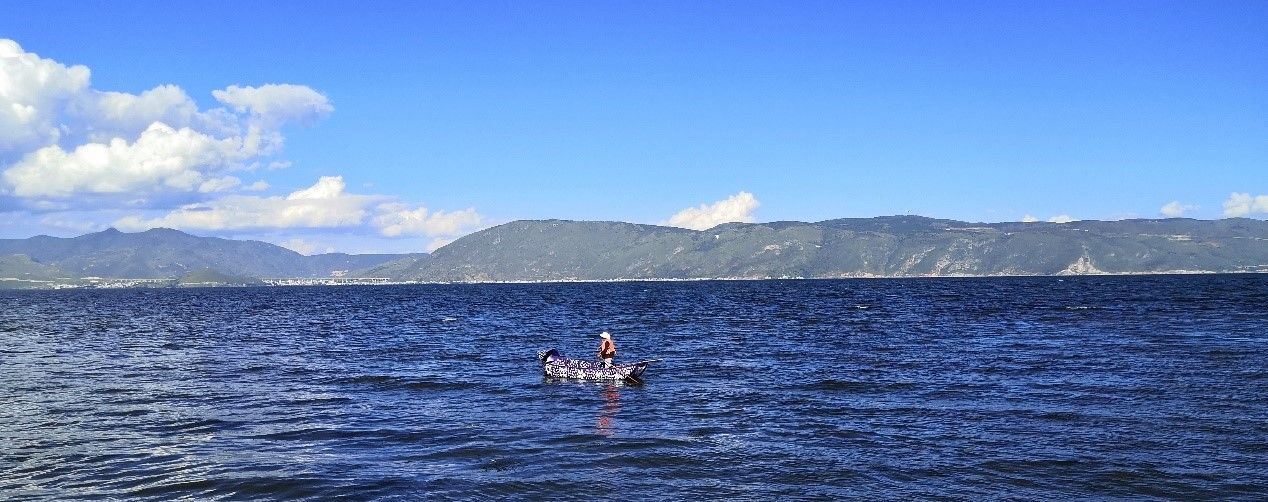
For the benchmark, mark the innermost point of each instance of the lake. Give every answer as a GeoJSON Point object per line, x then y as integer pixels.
{"type": "Point", "coordinates": [1084, 387]}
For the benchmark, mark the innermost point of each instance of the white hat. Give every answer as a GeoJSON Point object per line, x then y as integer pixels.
{"type": "Point", "coordinates": [605, 334]}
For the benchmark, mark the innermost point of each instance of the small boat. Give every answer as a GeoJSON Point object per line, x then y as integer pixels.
{"type": "Point", "coordinates": [557, 366]}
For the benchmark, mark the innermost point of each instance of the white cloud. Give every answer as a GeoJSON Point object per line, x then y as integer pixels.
{"type": "Point", "coordinates": [31, 90]}
{"type": "Point", "coordinates": [162, 158]}
{"type": "Point", "coordinates": [323, 205]}
{"type": "Point", "coordinates": [396, 219]}
{"type": "Point", "coordinates": [1061, 218]}
{"type": "Point", "coordinates": [306, 248]}
{"type": "Point", "coordinates": [50, 103]}
{"type": "Point", "coordinates": [59, 137]}
{"type": "Point", "coordinates": [438, 243]}
{"type": "Point", "coordinates": [103, 116]}
{"type": "Point", "coordinates": [219, 184]}
{"type": "Point", "coordinates": [736, 208]}
{"type": "Point", "coordinates": [1243, 204]}
{"type": "Point", "coordinates": [79, 154]}
{"type": "Point", "coordinates": [1175, 209]}
{"type": "Point", "coordinates": [258, 186]}
{"type": "Point", "coordinates": [276, 103]}
{"type": "Point", "coordinates": [78, 226]}
{"type": "Point", "coordinates": [1029, 219]}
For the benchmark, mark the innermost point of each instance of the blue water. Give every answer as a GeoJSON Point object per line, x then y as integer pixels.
{"type": "Point", "coordinates": [1141, 387]}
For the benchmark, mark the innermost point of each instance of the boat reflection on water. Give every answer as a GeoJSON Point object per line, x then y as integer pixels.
{"type": "Point", "coordinates": [604, 424]}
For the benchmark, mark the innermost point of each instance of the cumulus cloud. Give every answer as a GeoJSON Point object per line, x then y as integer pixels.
{"type": "Point", "coordinates": [1061, 218]}
{"type": "Point", "coordinates": [396, 219]}
{"type": "Point", "coordinates": [1175, 209]}
{"type": "Point", "coordinates": [162, 158]}
{"type": "Point", "coordinates": [51, 103]}
{"type": "Point", "coordinates": [736, 208]}
{"type": "Point", "coordinates": [1029, 219]}
{"type": "Point", "coordinates": [59, 137]}
{"type": "Point", "coordinates": [103, 156]}
{"type": "Point", "coordinates": [31, 89]}
{"type": "Point", "coordinates": [102, 116]}
{"type": "Point", "coordinates": [1243, 204]}
{"type": "Point", "coordinates": [323, 205]}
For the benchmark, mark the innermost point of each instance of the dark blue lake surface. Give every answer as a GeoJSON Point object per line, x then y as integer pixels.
{"type": "Point", "coordinates": [1153, 387]}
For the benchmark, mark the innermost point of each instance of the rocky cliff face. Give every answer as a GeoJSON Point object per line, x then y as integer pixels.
{"type": "Point", "coordinates": [896, 246]}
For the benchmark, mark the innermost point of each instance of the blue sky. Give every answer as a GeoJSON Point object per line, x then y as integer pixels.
{"type": "Point", "coordinates": [481, 113]}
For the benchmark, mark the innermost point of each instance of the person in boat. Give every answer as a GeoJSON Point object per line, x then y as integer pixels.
{"type": "Point", "coordinates": [607, 349]}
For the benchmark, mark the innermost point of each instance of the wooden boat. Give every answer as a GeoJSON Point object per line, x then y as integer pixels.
{"type": "Point", "coordinates": [557, 366]}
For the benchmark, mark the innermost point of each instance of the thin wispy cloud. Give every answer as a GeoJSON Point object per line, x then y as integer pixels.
{"type": "Point", "coordinates": [325, 204]}
{"type": "Point", "coordinates": [276, 104]}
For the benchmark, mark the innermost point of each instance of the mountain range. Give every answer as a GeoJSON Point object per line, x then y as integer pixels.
{"type": "Point", "coordinates": [166, 253]}
{"type": "Point", "coordinates": [892, 246]}
{"type": "Point", "coordinates": [563, 250]}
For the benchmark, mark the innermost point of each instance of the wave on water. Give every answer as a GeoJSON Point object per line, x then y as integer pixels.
{"type": "Point", "coordinates": [858, 386]}
{"type": "Point", "coordinates": [401, 382]}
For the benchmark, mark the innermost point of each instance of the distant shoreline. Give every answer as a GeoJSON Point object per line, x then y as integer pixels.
{"type": "Point", "coordinates": [308, 283]}
{"type": "Point", "coordinates": [862, 277]}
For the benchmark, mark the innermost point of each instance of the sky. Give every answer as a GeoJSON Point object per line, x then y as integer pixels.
{"type": "Point", "coordinates": [400, 126]}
